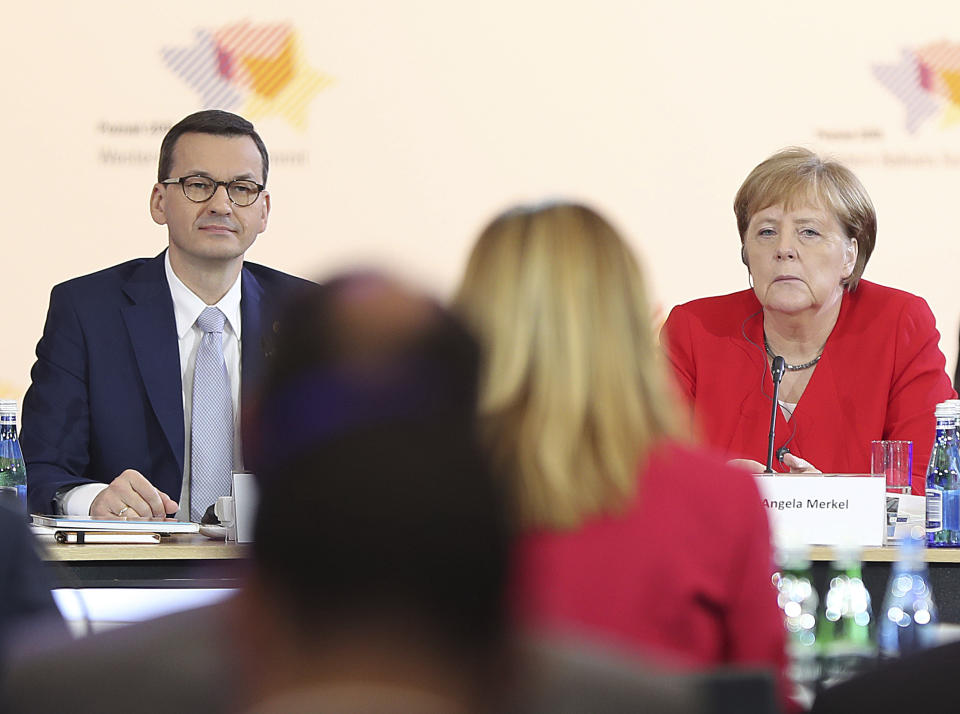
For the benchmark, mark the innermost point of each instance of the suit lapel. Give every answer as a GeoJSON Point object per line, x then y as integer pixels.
{"type": "Point", "coordinates": [822, 407]}
{"type": "Point", "coordinates": [153, 333]}
{"type": "Point", "coordinates": [252, 342]}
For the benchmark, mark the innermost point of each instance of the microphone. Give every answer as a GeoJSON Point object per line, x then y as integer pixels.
{"type": "Point", "coordinates": [776, 371]}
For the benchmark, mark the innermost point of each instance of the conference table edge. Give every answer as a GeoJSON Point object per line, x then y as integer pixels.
{"type": "Point", "coordinates": [888, 554]}
{"type": "Point", "coordinates": [175, 547]}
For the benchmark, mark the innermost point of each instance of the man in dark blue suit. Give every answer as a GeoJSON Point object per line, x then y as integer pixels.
{"type": "Point", "coordinates": [107, 421]}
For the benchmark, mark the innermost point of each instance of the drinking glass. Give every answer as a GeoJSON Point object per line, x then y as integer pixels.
{"type": "Point", "coordinates": [893, 459]}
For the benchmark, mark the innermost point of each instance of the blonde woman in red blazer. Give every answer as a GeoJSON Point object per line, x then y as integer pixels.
{"type": "Point", "coordinates": [863, 360]}
{"type": "Point", "coordinates": [625, 531]}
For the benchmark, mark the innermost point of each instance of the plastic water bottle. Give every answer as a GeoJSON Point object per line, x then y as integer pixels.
{"type": "Point", "coordinates": [943, 482]}
{"type": "Point", "coordinates": [906, 623]}
{"type": "Point", "coordinates": [13, 473]}
{"type": "Point", "coordinates": [845, 631]}
{"type": "Point", "coordinates": [798, 601]}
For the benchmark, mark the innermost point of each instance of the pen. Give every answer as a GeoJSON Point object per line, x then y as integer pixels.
{"type": "Point", "coordinates": [91, 537]}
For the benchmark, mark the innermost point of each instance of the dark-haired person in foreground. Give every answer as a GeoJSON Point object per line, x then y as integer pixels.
{"type": "Point", "coordinates": [382, 588]}
{"type": "Point", "coordinates": [112, 423]}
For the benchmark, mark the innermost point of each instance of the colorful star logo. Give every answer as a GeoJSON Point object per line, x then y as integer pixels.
{"type": "Point", "coordinates": [927, 81]}
{"type": "Point", "coordinates": [257, 70]}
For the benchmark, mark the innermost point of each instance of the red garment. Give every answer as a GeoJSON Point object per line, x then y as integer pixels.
{"type": "Point", "coordinates": [683, 573]}
{"type": "Point", "coordinates": [880, 377]}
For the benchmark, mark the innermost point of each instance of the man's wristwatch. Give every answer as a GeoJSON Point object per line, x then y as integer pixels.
{"type": "Point", "coordinates": [59, 497]}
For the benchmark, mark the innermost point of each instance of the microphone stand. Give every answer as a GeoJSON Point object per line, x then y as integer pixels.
{"type": "Point", "coordinates": [776, 372]}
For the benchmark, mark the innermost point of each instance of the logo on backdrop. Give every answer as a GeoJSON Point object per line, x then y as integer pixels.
{"type": "Point", "coordinates": [256, 70]}
{"type": "Point", "coordinates": [927, 81]}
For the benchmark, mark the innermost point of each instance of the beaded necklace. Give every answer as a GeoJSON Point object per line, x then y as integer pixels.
{"type": "Point", "coordinates": [792, 367]}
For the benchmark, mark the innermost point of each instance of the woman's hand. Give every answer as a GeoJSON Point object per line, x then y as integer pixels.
{"type": "Point", "coordinates": [754, 467]}
{"type": "Point", "coordinates": [799, 466]}
{"type": "Point", "coordinates": [795, 463]}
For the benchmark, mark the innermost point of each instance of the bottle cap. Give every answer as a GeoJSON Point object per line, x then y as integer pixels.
{"type": "Point", "coordinates": [911, 548]}
{"type": "Point", "coordinates": [792, 556]}
{"type": "Point", "coordinates": [8, 407]}
{"type": "Point", "coordinates": [847, 555]}
{"type": "Point", "coordinates": [944, 410]}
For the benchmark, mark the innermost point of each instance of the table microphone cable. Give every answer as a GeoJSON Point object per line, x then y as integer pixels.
{"type": "Point", "coordinates": [783, 450]}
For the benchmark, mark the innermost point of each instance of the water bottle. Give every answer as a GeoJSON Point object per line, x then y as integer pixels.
{"type": "Point", "coordinates": [845, 631]}
{"type": "Point", "coordinates": [798, 601]}
{"type": "Point", "coordinates": [909, 615]}
{"type": "Point", "coordinates": [13, 473]}
{"type": "Point", "coordinates": [943, 482]}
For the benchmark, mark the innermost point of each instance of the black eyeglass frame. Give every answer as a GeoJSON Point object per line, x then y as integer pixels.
{"type": "Point", "coordinates": [216, 184]}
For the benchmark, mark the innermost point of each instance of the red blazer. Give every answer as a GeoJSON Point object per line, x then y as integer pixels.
{"type": "Point", "coordinates": [682, 574]}
{"type": "Point", "coordinates": [880, 377]}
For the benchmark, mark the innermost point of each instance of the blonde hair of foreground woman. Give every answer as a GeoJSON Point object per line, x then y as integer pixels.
{"type": "Point", "coordinates": [574, 391]}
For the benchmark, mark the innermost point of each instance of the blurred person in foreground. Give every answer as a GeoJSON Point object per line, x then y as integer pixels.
{"type": "Point", "coordinates": [381, 541]}
{"type": "Point", "coordinates": [624, 531]}
{"type": "Point", "coordinates": [381, 553]}
{"type": "Point", "coordinates": [863, 360]}
{"type": "Point", "coordinates": [27, 608]}
{"type": "Point", "coordinates": [922, 682]}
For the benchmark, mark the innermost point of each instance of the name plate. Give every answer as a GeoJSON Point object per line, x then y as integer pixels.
{"type": "Point", "coordinates": [825, 509]}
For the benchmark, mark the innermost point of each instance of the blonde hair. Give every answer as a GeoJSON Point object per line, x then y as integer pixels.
{"type": "Point", "coordinates": [573, 388]}
{"type": "Point", "coordinates": [796, 175]}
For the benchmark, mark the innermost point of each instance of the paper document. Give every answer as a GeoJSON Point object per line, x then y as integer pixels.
{"type": "Point", "coordinates": [130, 525]}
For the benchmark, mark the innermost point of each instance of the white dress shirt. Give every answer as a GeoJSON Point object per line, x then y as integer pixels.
{"type": "Point", "coordinates": [787, 408]}
{"type": "Point", "coordinates": [186, 309]}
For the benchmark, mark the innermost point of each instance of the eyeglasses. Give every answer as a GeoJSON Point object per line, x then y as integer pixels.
{"type": "Point", "coordinates": [201, 188]}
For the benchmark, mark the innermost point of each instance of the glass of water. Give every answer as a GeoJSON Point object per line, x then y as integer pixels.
{"type": "Point", "coordinates": [893, 459]}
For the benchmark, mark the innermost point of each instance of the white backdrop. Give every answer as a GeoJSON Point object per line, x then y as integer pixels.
{"type": "Point", "coordinates": [437, 113]}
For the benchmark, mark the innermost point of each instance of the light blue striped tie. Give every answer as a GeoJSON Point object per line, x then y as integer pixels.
{"type": "Point", "coordinates": [211, 441]}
